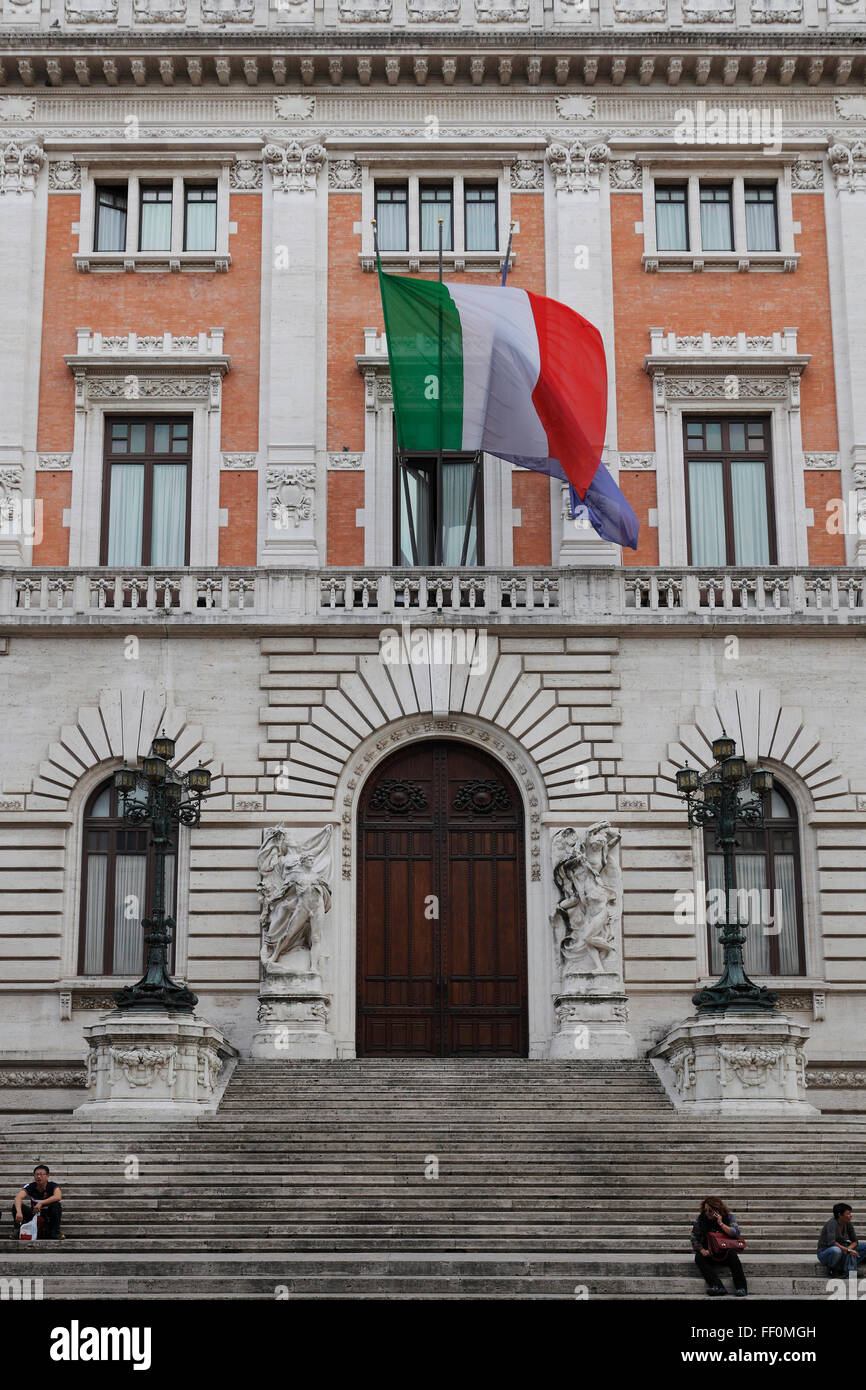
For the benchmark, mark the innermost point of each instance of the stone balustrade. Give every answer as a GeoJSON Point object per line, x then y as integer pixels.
{"type": "Point", "coordinates": [587, 597]}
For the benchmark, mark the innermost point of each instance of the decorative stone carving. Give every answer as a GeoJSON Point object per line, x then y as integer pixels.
{"type": "Point", "coordinates": [807, 174]}
{"type": "Point", "coordinates": [851, 108]}
{"type": "Point", "coordinates": [815, 1078]}
{"type": "Point", "coordinates": [345, 460]}
{"type": "Point", "coordinates": [159, 11]}
{"type": "Point", "coordinates": [365, 11]}
{"type": "Point", "coordinates": [48, 462]}
{"type": "Point", "coordinates": [19, 166]}
{"type": "Point", "coordinates": [142, 1065]}
{"type": "Point", "coordinates": [344, 175]}
{"type": "Point", "coordinates": [638, 462]}
{"type": "Point", "coordinates": [91, 11]}
{"type": "Point", "coordinates": [294, 167]}
{"type": "Point", "coordinates": [578, 108]}
{"type": "Point", "coordinates": [245, 174]}
{"type": "Point", "coordinates": [435, 12]}
{"type": "Point", "coordinates": [576, 167]}
{"type": "Point", "coordinates": [626, 175]}
{"type": "Point", "coordinates": [109, 388]}
{"type": "Point", "coordinates": [527, 175]}
{"type": "Point", "coordinates": [588, 916]}
{"type": "Point", "coordinates": [296, 897]}
{"type": "Point", "coordinates": [708, 12]}
{"type": "Point", "coordinates": [294, 108]}
{"type": "Point", "coordinates": [503, 12]}
{"type": "Point", "coordinates": [752, 1066]}
{"type": "Point", "coordinates": [640, 11]}
{"type": "Point", "coordinates": [228, 11]}
{"type": "Point", "coordinates": [822, 461]}
{"type": "Point", "coordinates": [737, 1063]}
{"type": "Point", "coordinates": [17, 108]}
{"type": "Point", "coordinates": [64, 175]}
{"type": "Point", "coordinates": [290, 495]}
{"type": "Point", "coordinates": [848, 162]}
{"type": "Point", "coordinates": [683, 1064]}
{"type": "Point", "coordinates": [236, 462]}
{"type": "Point", "coordinates": [73, 1077]}
{"type": "Point", "coordinates": [777, 11]}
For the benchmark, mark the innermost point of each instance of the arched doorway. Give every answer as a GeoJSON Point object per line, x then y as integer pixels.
{"type": "Point", "coordinates": [441, 907]}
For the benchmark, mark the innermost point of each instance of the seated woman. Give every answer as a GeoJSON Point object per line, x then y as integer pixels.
{"type": "Point", "coordinates": [715, 1216]}
{"type": "Point", "coordinates": [42, 1196]}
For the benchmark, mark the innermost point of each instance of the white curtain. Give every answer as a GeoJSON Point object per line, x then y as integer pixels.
{"type": "Point", "coordinates": [111, 228]}
{"type": "Point", "coordinates": [168, 535]}
{"type": "Point", "coordinates": [761, 226]}
{"type": "Point", "coordinates": [418, 481]}
{"type": "Point", "coordinates": [707, 512]}
{"type": "Point", "coordinates": [430, 214]}
{"type": "Point", "coordinates": [94, 914]}
{"type": "Point", "coordinates": [129, 883]}
{"type": "Point", "coordinates": [716, 226]}
{"type": "Point", "coordinates": [671, 227]}
{"type": "Point", "coordinates": [456, 492]}
{"type": "Point", "coordinates": [126, 510]}
{"type": "Point", "coordinates": [200, 226]}
{"type": "Point", "coordinates": [481, 226]}
{"type": "Point", "coordinates": [751, 533]}
{"type": "Point", "coordinates": [751, 899]}
{"type": "Point", "coordinates": [391, 227]}
{"type": "Point", "coordinates": [785, 907]}
{"type": "Point", "coordinates": [155, 232]}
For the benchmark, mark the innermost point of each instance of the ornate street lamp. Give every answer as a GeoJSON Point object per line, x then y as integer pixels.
{"type": "Point", "coordinates": [157, 795]}
{"type": "Point", "coordinates": [719, 797]}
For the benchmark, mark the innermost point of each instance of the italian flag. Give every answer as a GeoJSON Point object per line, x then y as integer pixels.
{"type": "Point", "coordinates": [513, 373]}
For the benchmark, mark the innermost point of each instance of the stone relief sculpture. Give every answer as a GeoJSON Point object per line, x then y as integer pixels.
{"type": "Point", "coordinates": [296, 895]}
{"type": "Point", "coordinates": [586, 921]}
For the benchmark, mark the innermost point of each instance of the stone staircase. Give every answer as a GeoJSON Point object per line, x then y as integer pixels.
{"type": "Point", "coordinates": [320, 1179]}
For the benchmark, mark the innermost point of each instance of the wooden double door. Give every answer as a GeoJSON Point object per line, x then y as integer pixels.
{"type": "Point", "coordinates": [441, 907]}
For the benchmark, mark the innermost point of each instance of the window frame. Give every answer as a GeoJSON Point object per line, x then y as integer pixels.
{"type": "Point", "coordinates": [107, 170]}
{"type": "Point", "coordinates": [391, 186]}
{"type": "Point", "coordinates": [106, 187]}
{"type": "Point", "coordinates": [188, 186]}
{"type": "Point", "coordinates": [149, 458]}
{"type": "Point", "coordinates": [431, 460]}
{"type": "Point", "coordinates": [791, 821]}
{"type": "Point", "coordinates": [754, 184]}
{"type": "Point", "coordinates": [114, 824]}
{"type": "Point", "coordinates": [671, 184]}
{"type": "Point", "coordinates": [426, 185]}
{"type": "Point", "coordinates": [380, 171]}
{"type": "Point", "coordinates": [473, 184]}
{"type": "Point", "coordinates": [155, 186]}
{"type": "Point", "coordinates": [712, 186]}
{"type": "Point", "coordinates": [694, 170]}
{"type": "Point", "coordinates": [726, 456]}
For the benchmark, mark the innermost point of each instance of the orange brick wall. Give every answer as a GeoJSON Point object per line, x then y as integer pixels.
{"type": "Point", "coordinates": [639, 490]}
{"type": "Point", "coordinates": [825, 548]}
{"type": "Point", "coordinates": [238, 494]}
{"type": "Point", "coordinates": [345, 539]}
{"type": "Point", "coordinates": [54, 493]}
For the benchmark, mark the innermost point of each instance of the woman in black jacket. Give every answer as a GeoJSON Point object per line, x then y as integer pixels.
{"type": "Point", "coordinates": [715, 1216]}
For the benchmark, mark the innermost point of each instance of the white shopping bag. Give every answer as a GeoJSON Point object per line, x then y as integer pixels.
{"type": "Point", "coordinates": [29, 1229]}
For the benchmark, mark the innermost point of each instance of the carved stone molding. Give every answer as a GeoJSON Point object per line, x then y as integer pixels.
{"type": "Point", "coordinates": [236, 462]}
{"type": "Point", "coordinates": [294, 108]}
{"type": "Point", "coordinates": [133, 387]}
{"type": "Point", "coordinates": [848, 162]}
{"type": "Point", "coordinates": [290, 495]}
{"type": "Point", "coordinates": [852, 1078]}
{"type": "Point", "coordinates": [626, 176]}
{"type": "Point", "coordinates": [142, 1065]}
{"type": "Point", "coordinates": [64, 176]}
{"type": "Point", "coordinates": [640, 11]}
{"type": "Point", "coordinates": [638, 462]}
{"type": "Point", "coordinates": [19, 166]}
{"type": "Point", "coordinates": [527, 175]}
{"type": "Point", "coordinates": [807, 175]}
{"type": "Point", "coordinates": [851, 108]}
{"type": "Point", "coordinates": [503, 12]}
{"type": "Point", "coordinates": [227, 11]}
{"type": "Point", "coordinates": [576, 166]}
{"type": "Point", "coordinates": [17, 108]}
{"type": "Point", "coordinates": [710, 12]}
{"type": "Point", "coordinates": [43, 1077]}
{"type": "Point", "coordinates": [344, 175]}
{"type": "Point", "coordinates": [245, 175]}
{"type": "Point", "coordinates": [344, 460]}
{"type": "Point", "coordinates": [98, 12]}
{"type": "Point", "coordinates": [777, 11]}
{"type": "Point", "coordinates": [48, 462]}
{"type": "Point", "coordinates": [829, 460]}
{"type": "Point", "coordinates": [579, 108]}
{"type": "Point", "coordinates": [294, 167]}
{"type": "Point", "coordinates": [365, 11]}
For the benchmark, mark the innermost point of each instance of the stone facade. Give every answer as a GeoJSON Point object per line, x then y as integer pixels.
{"type": "Point", "coordinates": [602, 671]}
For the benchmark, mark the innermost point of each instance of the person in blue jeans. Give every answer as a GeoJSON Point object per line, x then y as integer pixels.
{"type": "Point", "coordinates": [838, 1247]}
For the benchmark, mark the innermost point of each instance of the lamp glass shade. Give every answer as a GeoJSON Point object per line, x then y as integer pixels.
{"type": "Point", "coordinates": [712, 788]}
{"type": "Point", "coordinates": [723, 748]}
{"type": "Point", "coordinates": [761, 779]}
{"type": "Point", "coordinates": [687, 779]}
{"type": "Point", "coordinates": [734, 769]}
{"type": "Point", "coordinates": [173, 793]}
{"type": "Point", "coordinates": [199, 779]}
{"type": "Point", "coordinates": [163, 747]}
{"type": "Point", "coordinates": [124, 779]}
{"type": "Point", "coordinates": [155, 769]}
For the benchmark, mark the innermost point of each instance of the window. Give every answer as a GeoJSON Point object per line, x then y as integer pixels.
{"type": "Point", "coordinates": [146, 498]}
{"type": "Point", "coordinates": [762, 232]}
{"type": "Point", "coordinates": [111, 204]}
{"type": "Point", "coordinates": [717, 228]}
{"type": "Point", "coordinates": [438, 512]}
{"type": "Point", "coordinates": [200, 221]}
{"type": "Point", "coordinates": [392, 224]}
{"type": "Point", "coordinates": [155, 226]}
{"type": "Point", "coordinates": [436, 208]}
{"type": "Point", "coordinates": [768, 890]}
{"type": "Point", "coordinates": [729, 500]}
{"type": "Point", "coordinates": [116, 889]}
{"type": "Point", "coordinates": [672, 229]}
{"type": "Point", "coordinates": [481, 217]}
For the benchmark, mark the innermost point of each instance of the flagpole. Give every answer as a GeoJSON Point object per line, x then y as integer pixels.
{"type": "Point", "coordinates": [507, 254]}
{"type": "Point", "coordinates": [438, 553]}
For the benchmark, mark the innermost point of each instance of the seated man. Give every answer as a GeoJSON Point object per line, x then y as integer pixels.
{"type": "Point", "coordinates": [42, 1196]}
{"type": "Point", "coordinates": [838, 1247]}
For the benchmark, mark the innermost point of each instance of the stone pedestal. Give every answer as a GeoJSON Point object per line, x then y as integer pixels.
{"type": "Point", "coordinates": [146, 1065]}
{"type": "Point", "coordinates": [591, 1013]}
{"type": "Point", "coordinates": [294, 1012]}
{"type": "Point", "coordinates": [735, 1064]}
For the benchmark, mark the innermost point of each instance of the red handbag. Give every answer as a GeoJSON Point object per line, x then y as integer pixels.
{"type": "Point", "coordinates": [720, 1246]}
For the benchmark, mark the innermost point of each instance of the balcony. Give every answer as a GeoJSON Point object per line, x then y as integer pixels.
{"type": "Point", "coordinates": [546, 598]}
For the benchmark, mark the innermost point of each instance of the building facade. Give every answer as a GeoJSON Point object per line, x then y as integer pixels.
{"type": "Point", "coordinates": [206, 529]}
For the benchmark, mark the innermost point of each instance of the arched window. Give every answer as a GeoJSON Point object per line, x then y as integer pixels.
{"type": "Point", "coordinates": [769, 893]}
{"type": "Point", "coordinates": [116, 889]}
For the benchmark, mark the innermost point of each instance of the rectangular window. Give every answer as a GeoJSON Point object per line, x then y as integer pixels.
{"type": "Point", "coordinates": [392, 216]}
{"type": "Point", "coordinates": [672, 223]}
{"type": "Point", "coordinates": [436, 206]}
{"type": "Point", "coordinates": [155, 225]}
{"type": "Point", "coordinates": [729, 492]}
{"type": "Point", "coordinates": [146, 492]}
{"type": "Point", "coordinates": [438, 513]}
{"type": "Point", "coordinates": [111, 204]}
{"type": "Point", "coordinates": [481, 218]}
{"type": "Point", "coordinates": [762, 231]}
{"type": "Point", "coordinates": [199, 232]}
{"type": "Point", "coordinates": [717, 227]}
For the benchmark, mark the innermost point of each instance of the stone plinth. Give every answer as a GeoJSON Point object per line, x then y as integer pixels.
{"type": "Point", "coordinates": [735, 1064]}
{"type": "Point", "coordinates": [145, 1065]}
{"type": "Point", "coordinates": [591, 1013]}
{"type": "Point", "coordinates": [294, 1012]}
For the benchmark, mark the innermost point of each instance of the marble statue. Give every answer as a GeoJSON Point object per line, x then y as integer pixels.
{"type": "Point", "coordinates": [295, 895]}
{"type": "Point", "coordinates": [588, 878]}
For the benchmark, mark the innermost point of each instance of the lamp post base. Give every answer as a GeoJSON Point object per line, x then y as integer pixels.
{"type": "Point", "coordinates": [735, 1063]}
{"type": "Point", "coordinates": [142, 1065]}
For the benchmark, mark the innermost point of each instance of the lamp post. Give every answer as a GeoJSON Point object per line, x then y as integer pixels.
{"type": "Point", "coordinates": [157, 795]}
{"type": "Point", "coordinates": [719, 797]}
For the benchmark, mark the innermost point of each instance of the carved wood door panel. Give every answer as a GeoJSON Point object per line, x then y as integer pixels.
{"type": "Point", "coordinates": [441, 907]}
